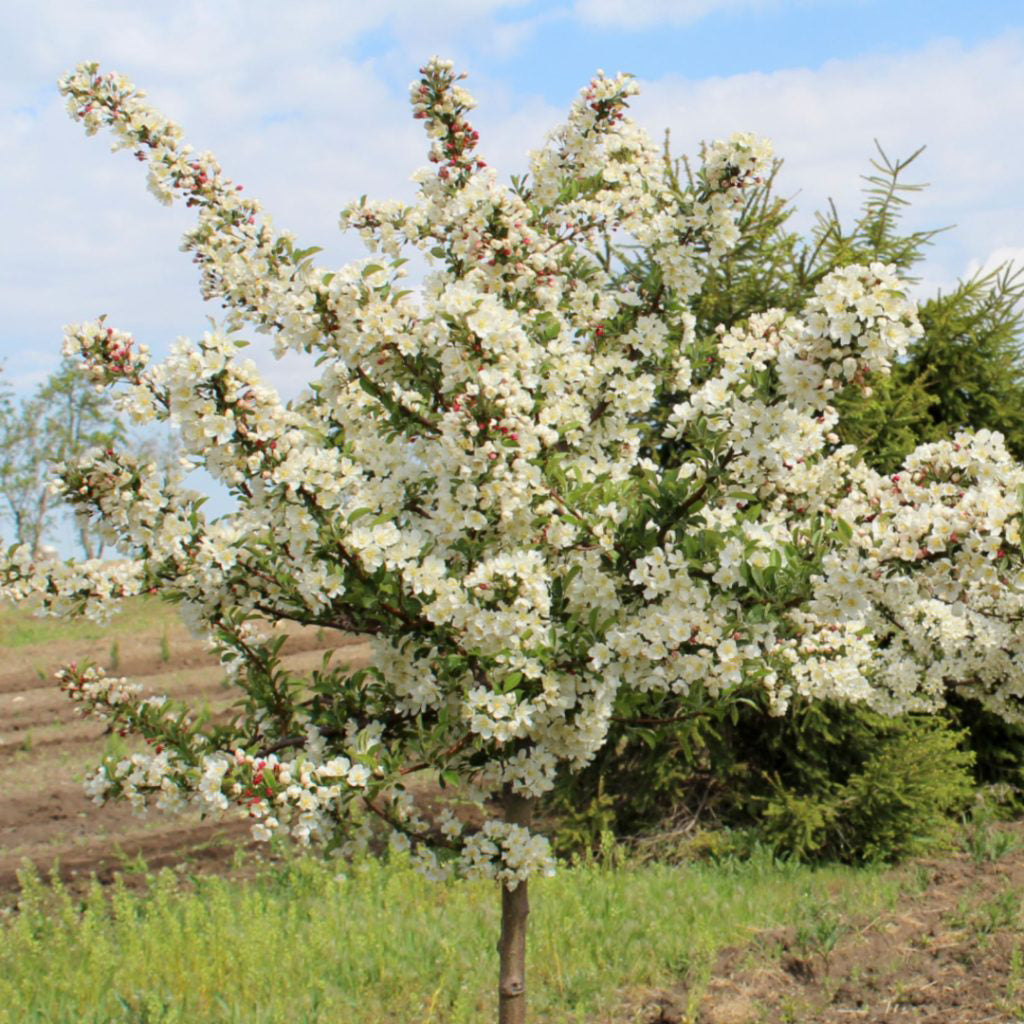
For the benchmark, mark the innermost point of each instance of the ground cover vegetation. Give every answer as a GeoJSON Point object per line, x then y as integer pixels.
{"type": "Point", "coordinates": [552, 498]}
{"type": "Point", "coordinates": [284, 946]}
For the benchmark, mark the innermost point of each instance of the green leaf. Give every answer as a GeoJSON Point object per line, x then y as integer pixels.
{"type": "Point", "coordinates": [511, 681]}
{"type": "Point", "coordinates": [844, 529]}
{"type": "Point", "coordinates": [648, 736]}
{"type": "Point", "coordinates": [569, 576]}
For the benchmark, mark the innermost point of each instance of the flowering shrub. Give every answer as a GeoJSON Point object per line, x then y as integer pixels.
{"type": "Point", "coordinates": [470, 483]}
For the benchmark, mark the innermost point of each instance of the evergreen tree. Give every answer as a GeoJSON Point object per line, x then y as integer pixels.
{"type": "Point", "coordinates": [779, 775]}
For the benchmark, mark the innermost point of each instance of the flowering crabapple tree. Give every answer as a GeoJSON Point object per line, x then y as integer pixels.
{"type": "Point", "coordinates": [476, 483]}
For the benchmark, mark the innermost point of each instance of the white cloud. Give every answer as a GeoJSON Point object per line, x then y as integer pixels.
{"type": "Point", "coordinates": [996, 259]}
{"type": "Point", "coordinates": [964, 103]}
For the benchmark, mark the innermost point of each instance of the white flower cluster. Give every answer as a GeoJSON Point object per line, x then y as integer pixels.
{"type": "Point", "coordinates": [297, 792]}
{"type": "Point", "coordinates": [108, 354]}
{"type": "Point", "coordinates": [506, 852]}
{"type": "Point", "coordinates": [273, 791]}
{"type": "Point", "coordinates": [92, 686]}
{"type": "Point", "coordinates": [93, 587]}
{"type": "Point", "coordinates": [138, 777]}
{"type": "Point", "coordinates": [858, 321]}
{"type": "Point", "coordinates": [473, 481]}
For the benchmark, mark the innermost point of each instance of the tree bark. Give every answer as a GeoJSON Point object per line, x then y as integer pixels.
{"type": "Point", "coordinates": [86, 542]}
{"type": "Point", "coordinates": [515, 907]}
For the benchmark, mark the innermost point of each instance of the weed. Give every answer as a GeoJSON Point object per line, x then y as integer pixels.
{"type": "Point", "coordinates": [985, 843]}
{"type": "Point", "coordinates": [922, 879]}
{"type": "Point", "coordinates": [791, 1010]}
{"type": "Point", "coordinates": [982, 839]}
{"type": "Point", "coordinates": [114, 657]}
{"type": "Point", "coordinates": [1003, 911]}
{"type": "Point", "coordinates": [1015, 981]}
{"type": "Point", "coordinates": [131, 865]}
{"type": "Point", "coordinates": [983, 919]}
{"type": "Point", "coordinates": [165, 647]}
{"type": "Point", "coordinates": [819, 930]}
{"type": "Point", "coordinates": [146, 1008]}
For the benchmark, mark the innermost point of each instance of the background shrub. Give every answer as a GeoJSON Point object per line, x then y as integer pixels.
{"type": "Point", "coordinates": [822, 783]}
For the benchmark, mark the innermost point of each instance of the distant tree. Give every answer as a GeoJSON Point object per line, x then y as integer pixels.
{"type": "Point", "coordinates": [65, 417]}
{"type": "Point", "coordinates": [23, 479]}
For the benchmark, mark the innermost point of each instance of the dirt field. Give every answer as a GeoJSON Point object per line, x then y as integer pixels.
{"type": "Point", "coordinates": [46, 749]}
{"type": "Point", "coordinates": [950, 952]}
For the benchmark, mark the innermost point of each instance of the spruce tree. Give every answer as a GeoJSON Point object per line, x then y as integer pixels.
{"type": "Point", "coordinates": [964, 373]}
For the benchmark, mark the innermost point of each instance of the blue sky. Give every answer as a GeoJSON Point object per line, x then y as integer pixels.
{"type": "Point", "coordinates": [660, 38]}
{"type": "Point", "coordinates": [306, 104]}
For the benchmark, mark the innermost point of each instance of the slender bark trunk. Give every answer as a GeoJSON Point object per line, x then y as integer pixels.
{"type": "Point", "coordinates": [37, 526]}
{"type": "Point", "coordinates": [515, 907]}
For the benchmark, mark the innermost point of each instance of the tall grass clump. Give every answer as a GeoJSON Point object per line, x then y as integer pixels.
{"type": "Point", "coordinates": [374, 942]}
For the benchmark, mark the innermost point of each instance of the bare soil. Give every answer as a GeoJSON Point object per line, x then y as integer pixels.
{"type": "Point", "coordinates": [950, 952]}
{"type": "Point", "coordinates": [46, 748]}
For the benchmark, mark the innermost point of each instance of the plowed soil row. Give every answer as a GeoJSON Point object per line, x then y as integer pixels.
{"type": "Point", "coordinates": [46, 749]}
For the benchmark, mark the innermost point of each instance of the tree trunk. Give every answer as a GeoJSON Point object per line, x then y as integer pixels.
{"type": "Point", "coordinates": [37, 527]}
{"type": "Point", "coordinates": [86, 542]}
{"type": "Point", "coordinates": [515, 907]}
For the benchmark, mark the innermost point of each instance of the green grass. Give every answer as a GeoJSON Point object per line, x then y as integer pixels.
{"type": "Point", "coordinates": [377, 943]}
{"type": "Point", "coordinates": [20, 627]}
